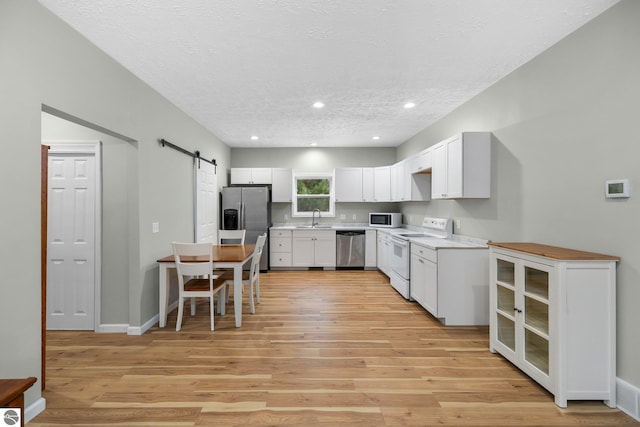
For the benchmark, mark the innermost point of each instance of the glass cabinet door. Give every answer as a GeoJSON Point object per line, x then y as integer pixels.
{"type": "Point", "coordinates": [506, 303]}
{"type": "Point", "coordinates": [536, 316]}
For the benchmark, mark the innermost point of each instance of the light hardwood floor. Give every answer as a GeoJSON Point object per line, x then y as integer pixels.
{"type": "Point", "coordinates": [323, 349]}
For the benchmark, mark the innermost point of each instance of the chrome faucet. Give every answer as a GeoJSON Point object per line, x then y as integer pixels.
{"type": "Point", "coordinates": [313, 217]}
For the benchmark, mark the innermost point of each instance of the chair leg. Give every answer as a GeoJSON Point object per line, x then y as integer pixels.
{"type": "Point", "coordinates": [257, 288]}
{"type": "Point", "coordinates": [180, 312]}
{"type": "Point", "coordinates": [252, 306]}
{"type": "Point", "coordinates": [212, 310]}
{"type": "Point", "coordinates": [193, 306]}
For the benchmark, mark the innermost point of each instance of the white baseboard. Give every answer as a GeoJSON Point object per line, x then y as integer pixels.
{"type": "Point", "coordinates": [139, 330]}
{"type": "Point", "coordinates": [628, 398]}
{"type": "Point", "coordinates": [113, 328]}
{"type": "Point", "coordinates": [33, 410]}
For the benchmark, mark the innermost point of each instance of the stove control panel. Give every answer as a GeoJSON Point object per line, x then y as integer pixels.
{"type": "Point", "coordinates": [437, 223]}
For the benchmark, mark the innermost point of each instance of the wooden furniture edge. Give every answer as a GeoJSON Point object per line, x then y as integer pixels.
{"type": "Point", "coordinates": [10, 389]}
{"type": "Point", "coordinates": [553, 252]}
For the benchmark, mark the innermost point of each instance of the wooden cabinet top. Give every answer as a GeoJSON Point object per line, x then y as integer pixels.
{"type": "Point", "coordinates": [553, 252]}
{"type": "Point", "coordinates": [10, 389]}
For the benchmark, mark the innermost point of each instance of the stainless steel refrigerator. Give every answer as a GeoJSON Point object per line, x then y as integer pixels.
{"type": "Point", "coordinates": [248, 208]}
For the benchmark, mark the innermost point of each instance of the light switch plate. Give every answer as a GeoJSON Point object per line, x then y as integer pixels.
{"type": "Point", "coordinates": [155, 227]}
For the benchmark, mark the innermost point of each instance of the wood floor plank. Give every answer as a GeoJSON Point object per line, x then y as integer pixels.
{"type": "Point", "coordinates": [324, 348]}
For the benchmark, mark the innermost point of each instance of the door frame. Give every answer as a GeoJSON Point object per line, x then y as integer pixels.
{"type": "Point", "coordinates": [89, 148]}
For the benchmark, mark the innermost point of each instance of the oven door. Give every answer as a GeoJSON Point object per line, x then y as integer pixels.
{"type": "Point", "coordinates": [400, 257]}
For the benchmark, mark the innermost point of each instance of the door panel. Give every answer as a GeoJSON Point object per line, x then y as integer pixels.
{"type": "Point", "coordinates": [71, 242]}
{"type": "Point", "coordinates": [206, 202]}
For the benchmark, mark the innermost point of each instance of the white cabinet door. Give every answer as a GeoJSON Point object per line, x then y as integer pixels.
{"type": "Point", "coordinates": [302, 254]}
{"type": "Point", "coordinates": [250, 175]}
{"type": "Point", "coordinates": [462, 167]}
{"type": "Point", "coordinates": [370, 258]}
{"type": "Point", "coordinates": [439, 172]}
{"type": "Point", "coordinates": [431, 287]}
{"type": "Point", "coordinates": [454, 168]}
{"type": "Point", "coordinates": [421, 161]}
{"type": "Point", "coordinates": [240, 175]}
{"type": "Point", "coordinates": [348, 184]}
{"type": "Point", "coordinates": [261, 175]}
{"type": "Point", "coordinates": [382, 184]}
{"type": "Point", "coordinates": [368, 189]}
{"type": "Point", "coordinates": [314, 248]}
{"type": "Point", "coordinates": [417, 279]}
{"type": "Point", "coordinates": [325, 249]}
{"type": "Point", "coordinates": [282, 185]}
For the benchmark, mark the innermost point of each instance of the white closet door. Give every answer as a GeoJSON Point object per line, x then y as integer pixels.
{"type": "Point", "coordinates": [71, 252]}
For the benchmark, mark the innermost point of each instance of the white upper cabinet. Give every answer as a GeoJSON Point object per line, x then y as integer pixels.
{"type": "Point", "coordinates": [462, 167]}
{"type": "Point", "coordinates": [368, 188]}
{"type": "Point", "coordinates": [282, 185]}
{"type": "Point", "coordinates": [250, 175]}
{"type": "Point", "coordinates": [348, 184]}
{"type": "Point", "coordinates": [382, 184]}
{"type": "Point", "coordinates": [421, 162]}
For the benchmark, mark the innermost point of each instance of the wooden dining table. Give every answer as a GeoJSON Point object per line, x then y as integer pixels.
{"type": "Point", "coordinates": [224, 256]}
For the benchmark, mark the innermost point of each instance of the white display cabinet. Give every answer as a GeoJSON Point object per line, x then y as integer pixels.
{"type": "Point", "coordinates": [553, 315]}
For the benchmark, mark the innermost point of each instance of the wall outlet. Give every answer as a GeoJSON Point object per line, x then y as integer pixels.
{"type": "Point", "coordinates": [155, 227]}
{"type": "Point", "coordinates": [343, 216]}
{"type": "Point", "coordinates": [354, 217]}
{"type": "Point", "coordinates": [410, 218]}
{"type": "Point", "coordinates": [458, 224]}
{"type": "Point", "coordinates": [286, 217]}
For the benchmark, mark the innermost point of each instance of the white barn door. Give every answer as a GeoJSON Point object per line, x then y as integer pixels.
{"type": "Point", "coordinates": [206, 209]}
{"type": "Point", "coordinates": [72, 273]}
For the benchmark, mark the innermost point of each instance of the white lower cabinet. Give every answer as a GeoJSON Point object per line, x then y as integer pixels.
{"type": "Point", "coordinates": [384, 247]}
{"type": "Point", "coordinates": [314, 248]}
{"type": "Point", "coordinates": [370, 244]}
{"type": "Point", "coordinates": [280, 248]}
{"type": "Point", "coordinates": [553, 316]}
{"type": "Point", "coordinates": [451, 283]}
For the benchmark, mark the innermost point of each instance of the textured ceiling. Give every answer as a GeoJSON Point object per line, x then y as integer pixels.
{"type": "Point", "coordinates": [255, 67]}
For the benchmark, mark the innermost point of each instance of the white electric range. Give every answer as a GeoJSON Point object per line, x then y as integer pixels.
{"type": "Point", "coordinates": [431, 266]}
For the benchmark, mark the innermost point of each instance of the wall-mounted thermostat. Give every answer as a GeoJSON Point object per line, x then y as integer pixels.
{"type": "Point", "coordinates": [615, 188]}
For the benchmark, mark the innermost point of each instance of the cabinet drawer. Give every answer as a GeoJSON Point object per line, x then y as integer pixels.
{"type": "Point", "coordinates": [280, 233]}
{"type": "Point", "coordinates": [424, 252]}
{"type": "Point", "coordinates": [281, 259]}
{"type": "Point", "coordinates": [280, 244]}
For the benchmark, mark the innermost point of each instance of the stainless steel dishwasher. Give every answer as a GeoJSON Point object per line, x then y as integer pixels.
{"type": "Point", "coordinates": [350, 246]}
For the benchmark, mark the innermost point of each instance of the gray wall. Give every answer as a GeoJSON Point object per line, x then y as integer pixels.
{"type": "Point", "coordinates": [319, 160]}
{"type": "Point", "coordinates": [564, 123]}
{"type": "Point", "coordinates": [46, 62]}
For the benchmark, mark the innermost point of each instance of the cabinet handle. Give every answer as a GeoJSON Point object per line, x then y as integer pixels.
{"type": "Point", "coordinates": [517, 309]}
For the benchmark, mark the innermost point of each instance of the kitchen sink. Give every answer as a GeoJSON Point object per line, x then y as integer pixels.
{"type": "Point", "coordinates": [313, 227]}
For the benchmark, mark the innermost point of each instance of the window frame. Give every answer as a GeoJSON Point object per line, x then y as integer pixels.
{"type": "Point", "coordinates": [316, 175]}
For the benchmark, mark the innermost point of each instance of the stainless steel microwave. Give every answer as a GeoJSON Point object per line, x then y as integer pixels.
{"type": "Point", "coordinates": [379, 219]}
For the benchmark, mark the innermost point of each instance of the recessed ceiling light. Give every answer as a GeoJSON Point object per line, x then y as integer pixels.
{"type": "Point", "coordinates": [375, 138]}
{"type": "Point", "coordinates": [318, 104]}
{"type": "Point", "coordinates": [409, 105]}
{"type": "Point", "coordinates": [254, 137]}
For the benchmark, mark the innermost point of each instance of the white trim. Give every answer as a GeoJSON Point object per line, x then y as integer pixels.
{"type": "Point", "coordinates": [628, 398]}
{"type": "Point", "coordinates": [35, 409]}
{"type": "Point", "coordinates": [139, 330]}
{"type": "Point", "coordinates": [95, 148]}
{"type": "Point", "coordinates": [315, 175]}
{"type": "Point", "coordinates": [113, 328]}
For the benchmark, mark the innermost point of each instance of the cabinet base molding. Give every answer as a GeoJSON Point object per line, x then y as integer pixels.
{"type": "Point", "coordinates": [628, 398]}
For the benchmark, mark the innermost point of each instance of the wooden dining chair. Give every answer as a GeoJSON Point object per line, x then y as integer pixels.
{"type": "Point", "coordinates": [196, 278]}
{"type": "Point", "coordinates": [231, 237]}
{"type": "Point", "coordinates": [251, 277]}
